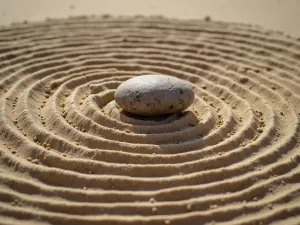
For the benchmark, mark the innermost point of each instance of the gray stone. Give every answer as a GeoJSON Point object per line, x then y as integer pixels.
{"type": "Point", "coordinates": [154, 95]}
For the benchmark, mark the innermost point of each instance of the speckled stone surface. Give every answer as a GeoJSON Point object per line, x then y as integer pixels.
{"type": "Point", "coordinates": [154, 95]}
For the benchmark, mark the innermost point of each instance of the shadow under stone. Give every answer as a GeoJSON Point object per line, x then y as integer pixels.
{"type": "Point", "coordinates": [147, 118]}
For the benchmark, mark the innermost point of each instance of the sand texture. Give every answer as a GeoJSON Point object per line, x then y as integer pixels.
{"type": "Point", "coordinates": [69, 156]}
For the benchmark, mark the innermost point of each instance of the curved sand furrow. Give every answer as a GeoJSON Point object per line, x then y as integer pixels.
{"type": "Point", "coordinates": [296, 89]}
{"type": "Point", "coordinates": [116, 181]}
{"type": "Point", "coordinates": [291, 210]}
{"type": "Point", "coordinates": [173, 194]}
{"type": "Point", "coordinates": [80, 36]}
{"type": "Point", "coordinates": [145, 207]}
{"type": "Point", "coordinates": [154, 23]}
{"type": "Point", "coordinates": [235, 35]}
{"type": "Point", "coordinates": [61, 133]}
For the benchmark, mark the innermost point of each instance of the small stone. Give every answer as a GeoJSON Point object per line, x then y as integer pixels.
{"type": "Point", "coordinates": [47, 91]}
{"type": "Point", "coordinates": [213, 206]}
{"type": "Point", "coordinates": [151, 95]}
{"type": "Point", "coordinates": [244, 80]}
{"type": "Point", "coordinates": [35, 161]}
{"type": "Point", "coordinates": [207, 18]}
{"type": "Point", "coordinates": [189, 206]}
{"type": "Point", "coordinates": [67, 93]}
{"type": "Point", "coordinates": [152, 200]}
{"type": "Point", "coordinates": [29, 159]}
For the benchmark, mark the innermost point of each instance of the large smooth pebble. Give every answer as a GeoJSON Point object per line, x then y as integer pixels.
{"type": "Point", "coordinates": [154, 95]}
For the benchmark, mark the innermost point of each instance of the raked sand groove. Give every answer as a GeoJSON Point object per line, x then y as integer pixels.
{"type": "Point", "coordinates": [70, 156]}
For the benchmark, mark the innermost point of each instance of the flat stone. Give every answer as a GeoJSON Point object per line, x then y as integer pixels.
{"type": "Point", "coordinates": [154, 95]}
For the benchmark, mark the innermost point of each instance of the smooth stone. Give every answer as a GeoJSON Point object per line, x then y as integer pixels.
{"type": "Point", "coordinates": [151, 95]}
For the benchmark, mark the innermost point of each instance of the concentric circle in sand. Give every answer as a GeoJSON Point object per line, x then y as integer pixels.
{"type": "Point", "coordinates": [70, 156]}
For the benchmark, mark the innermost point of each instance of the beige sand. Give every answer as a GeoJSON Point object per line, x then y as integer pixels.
{"type": "Point", "coordinates": [69, 156]}
{"type": "Point", "coordinates": [281, 15]}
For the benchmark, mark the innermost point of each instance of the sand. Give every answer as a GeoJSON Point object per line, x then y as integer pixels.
{"type": "Point", "coordinates": [281, 15]}
{"type": "Point", "coordinates": [68, 155]}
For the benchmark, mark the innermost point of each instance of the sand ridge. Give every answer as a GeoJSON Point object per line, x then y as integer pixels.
{"type": "Point", "coordinates": [70, 156]}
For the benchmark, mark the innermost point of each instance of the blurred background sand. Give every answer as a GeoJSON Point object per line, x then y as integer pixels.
{"type": "Point", "coordinates": [281, 15]}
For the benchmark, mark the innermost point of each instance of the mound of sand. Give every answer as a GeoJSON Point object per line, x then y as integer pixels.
{"type": "Point", "coordinates": [70, 156]}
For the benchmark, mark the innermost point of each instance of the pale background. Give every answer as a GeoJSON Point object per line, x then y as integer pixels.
{"type": "Point", "coordinates": [281, 15]}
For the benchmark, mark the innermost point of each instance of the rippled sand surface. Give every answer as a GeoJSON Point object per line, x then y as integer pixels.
{"type": "Point", "coordinates": [69, 155]}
